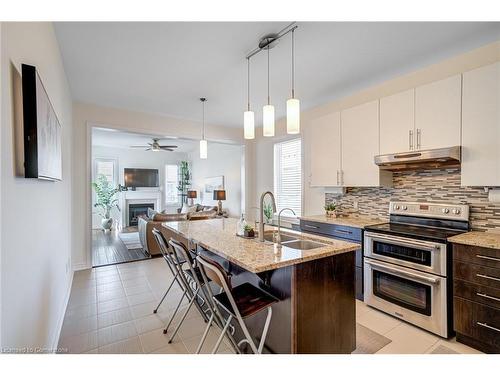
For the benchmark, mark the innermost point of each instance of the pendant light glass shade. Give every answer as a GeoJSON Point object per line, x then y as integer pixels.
{"type": "Point", "coordinates": [293, 116]}
{"type": "Point", "coordinates": [268, 120]}
{"type": "Point", "coordinates": [249, 125]}
{"type": "Point", "coordinates": [203, 141]}
{"type": "Point", "coordinates": [203, 149]}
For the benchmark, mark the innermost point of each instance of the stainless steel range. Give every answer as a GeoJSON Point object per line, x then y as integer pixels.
{"type": "Point", "coordinates": [407, 263]}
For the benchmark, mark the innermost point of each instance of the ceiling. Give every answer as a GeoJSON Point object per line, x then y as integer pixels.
{"type": "Point", "coordinates": [164, 67]}
{"type": "Point", "coordinates": [117, 138]}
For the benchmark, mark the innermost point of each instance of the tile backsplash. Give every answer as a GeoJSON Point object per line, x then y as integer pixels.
{"type": "Point", "coordinates": [439, 185]}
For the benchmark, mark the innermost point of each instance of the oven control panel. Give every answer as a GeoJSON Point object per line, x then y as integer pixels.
{"type": "Point", "coordinates": [431, 210]}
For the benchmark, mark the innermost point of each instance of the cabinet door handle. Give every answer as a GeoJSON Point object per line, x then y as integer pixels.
{"type": "Point", "coordinates": [342, 177]}
{"type": "Point", "coordinates": [410, 139]}
{"type": "Point", "coordinates": [338, 180]}
{"type": "Point", "coordinates": [487, 257]}
{"type": "Point", "coordinates": [487, 296]}
{"type": "Point", "coordinates": [487, 277]}
{"type": "Point", "coordinates": [486, 325]}
{"type": "Point", "coordinates": [419, 138]}
{"type": "Point", "coordinates": [311, 226]}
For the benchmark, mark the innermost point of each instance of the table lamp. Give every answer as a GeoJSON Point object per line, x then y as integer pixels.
{"type": "Point", "coordinates": [192, 194]}
{"type": "Point", "coordinates": [219, 195]}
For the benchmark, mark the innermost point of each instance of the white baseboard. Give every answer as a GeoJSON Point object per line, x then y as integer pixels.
{"type": "Point", "coordinates": [62, 314]}
{"type": "Point", "coordinates": [81, 266]}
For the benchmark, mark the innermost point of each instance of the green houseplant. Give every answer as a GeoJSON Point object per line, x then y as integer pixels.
{"type": "Point", "coordinates": [249, 232]}
{"type": "Point", "coordinates": [184, 180]}
{"type": "Point", "coordinates": [268, 212]}
{"type": "Point", "coordinates": [105, 200]}
{"type": "Point", "coordinates": [331, 209]}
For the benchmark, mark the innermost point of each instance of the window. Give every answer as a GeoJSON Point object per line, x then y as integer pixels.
{"type": "Point", "coordinates": [171, 183]}
{"type": "Point", "coordinates": [106, 167]}
{"type": "Point", "coordinates": [288, 176]}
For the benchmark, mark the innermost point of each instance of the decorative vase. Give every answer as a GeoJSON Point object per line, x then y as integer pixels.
{"type": "Point", "coordinates": [107, 223]}
{"type": "Point", "coordinates": [332, 214]}
{"type": "Point", "coordinates": [249, 233]}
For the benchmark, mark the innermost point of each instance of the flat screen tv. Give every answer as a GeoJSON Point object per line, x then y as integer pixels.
{"type": "Point", "coordinates": [136, 177]}
{"type": "Point", "coordinates": [42, 130]}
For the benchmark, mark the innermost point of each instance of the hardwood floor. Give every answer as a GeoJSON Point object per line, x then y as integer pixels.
{"type": "Point", "coordinates": [108, 248]}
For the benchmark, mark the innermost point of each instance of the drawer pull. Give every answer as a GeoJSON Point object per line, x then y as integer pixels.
{"type": "Point", "coordinates": [485, 325]}
{"type": "Point", "coordinates": [487, 277]}
{"type": "Point", "coordinates": [311, 226]}
{"type": "Point", "coordinates": [488, 258]}
{"type": "Point", "coordinates": [343, 231]}
{"type": "Point", "coordinates": [487, 296]}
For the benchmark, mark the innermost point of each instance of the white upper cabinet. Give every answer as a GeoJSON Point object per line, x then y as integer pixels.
{"type": "Point", "coordinates": [360, 144]}
{"type": "Point", "coordinates": [325, 150]}
{"type": "Point", "coordinates": [437, 114]}
{"type": "Point", "coordinates": [481, 127]}
{"type": "Point", "coordinates": [397, 122]}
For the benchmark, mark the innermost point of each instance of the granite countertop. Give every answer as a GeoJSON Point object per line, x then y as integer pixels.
{"type": "Point", "coordinates": [219, 236]}
{"type": "Point", "coordinates": [355, 221]}
{"type": "Point", "coordinates": [481, 239]}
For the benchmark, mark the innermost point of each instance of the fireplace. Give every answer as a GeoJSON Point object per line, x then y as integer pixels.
{"type": "Point", "coordinates": [137, 209]}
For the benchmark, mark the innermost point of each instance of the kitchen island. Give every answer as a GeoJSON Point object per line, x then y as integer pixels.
{"type": "Point", "coordinates": [316, 312]}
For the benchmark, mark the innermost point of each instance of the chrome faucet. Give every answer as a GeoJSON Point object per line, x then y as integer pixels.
{"type": "Point", "coordinates": [278, 235]}
{"type": "Point", "coordinates": [261, 214]}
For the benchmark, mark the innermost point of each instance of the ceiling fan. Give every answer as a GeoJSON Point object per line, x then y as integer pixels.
{"type": "Point", "coordinates": [155, 146]}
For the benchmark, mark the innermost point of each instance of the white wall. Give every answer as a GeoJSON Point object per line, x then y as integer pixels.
{"type": "Point", "coordinates": [261, 164]}
{"type": "Point", "coordinates": [35, 215]}
{"type": "Point", "coordinates": [223, 160]}
{"type": "Point", "coordinates": [86, 115]}
{"type": "Point", "coordinates": [132, 158]}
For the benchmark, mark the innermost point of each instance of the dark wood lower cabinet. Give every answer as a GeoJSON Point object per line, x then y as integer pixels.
{"type": "Point", "coordinates": [476, 300]}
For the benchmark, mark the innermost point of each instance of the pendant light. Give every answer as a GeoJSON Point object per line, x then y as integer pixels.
{"type": "Point", "coordinates": [268, 110]}
{"type": "Point", "coordinates": [293, 104]}
{"type": "Point", "coordinates": [203, 141]}
{"type": "Point", "coordinates": [248, 116]}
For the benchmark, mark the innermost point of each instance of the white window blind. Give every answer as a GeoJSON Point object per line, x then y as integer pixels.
{"type": "Point", "coordinates": [288, 176]}
{"type": "Point", "coordinates": [107, 169]}
{"type": "Point", "coordinates": [171, 183]}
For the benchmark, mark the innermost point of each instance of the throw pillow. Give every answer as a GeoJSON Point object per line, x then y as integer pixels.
{"type": "Point", "coordinates": [188, 209]}
{"type": "Point", "coordinates": [151, 213]}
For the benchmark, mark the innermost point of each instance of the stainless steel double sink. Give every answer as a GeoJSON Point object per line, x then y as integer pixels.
{"type": "Point", "coordinates": [293, 242]}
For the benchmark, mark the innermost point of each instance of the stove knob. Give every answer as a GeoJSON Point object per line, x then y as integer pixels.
{"type": "Point", "coordinates": [446, 210]}
{"type": "Point", "coordinates": [405, 208]}
{"type": "Point", "coordinates": [396, 207]}
{"type": "Point", "coordinates": [456, 211]}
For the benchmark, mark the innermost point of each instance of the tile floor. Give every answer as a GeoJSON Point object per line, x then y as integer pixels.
{"type": "Point", "coordinates": [111, 311]}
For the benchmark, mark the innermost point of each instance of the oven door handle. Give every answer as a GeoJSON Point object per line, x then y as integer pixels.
{"type": "Point", "coordinates": [400, 241]}
{"type": "Point", "coordinates": [397, 271]}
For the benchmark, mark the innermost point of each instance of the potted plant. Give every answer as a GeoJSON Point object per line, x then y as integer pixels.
{"type": "Point", "coordinates": [184, 181]}
{"type": "Point", "coordinates": [268, 212]}
{"type": "Point", "coordinates": [331, 209]}
{"type": "Point", "coordinates": [106, 200]}
{"type": "Point", "coordinates": [249, 232]}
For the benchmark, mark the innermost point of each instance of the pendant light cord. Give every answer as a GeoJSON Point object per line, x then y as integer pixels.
{"type": "Point", "coordinates": [248, 86]}
{"type": "Point", "coordinates": [293, 63]}
{"type": "Point", "coordinates": [203, 118]}
{"type": "Point", "coordinates": [268, 95]}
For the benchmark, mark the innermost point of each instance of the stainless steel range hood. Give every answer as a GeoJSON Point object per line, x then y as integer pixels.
{"type": "Point", "coordinates": [421, 159]}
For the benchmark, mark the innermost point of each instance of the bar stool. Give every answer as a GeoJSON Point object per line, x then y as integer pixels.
{"type": "Point", "coordinates": [239, 302]}
{"type": "Point", "coordinates": [174, 268]}
{"type": "Point", "coordinates": [199, 285]}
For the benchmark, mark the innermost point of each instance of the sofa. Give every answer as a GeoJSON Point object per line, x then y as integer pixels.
{"type": "Point", "coordinates": [154, 219]}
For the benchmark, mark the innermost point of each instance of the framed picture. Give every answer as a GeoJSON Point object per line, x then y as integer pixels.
{"type": "Point", "coordinates": [42, 130]}
{"type": "Point", "coordinates": [213, 183]}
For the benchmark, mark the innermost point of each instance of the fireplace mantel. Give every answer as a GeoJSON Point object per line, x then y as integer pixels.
{"type": "Point", "coordinates": [139, 196]}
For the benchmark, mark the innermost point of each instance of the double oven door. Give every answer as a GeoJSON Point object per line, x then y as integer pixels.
{"type": "Point", "coordinates": [407, 278]}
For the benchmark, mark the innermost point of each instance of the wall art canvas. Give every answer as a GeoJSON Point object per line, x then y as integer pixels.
{"type": "Point", "coordinates": [42, 130]}
{"type": "Point", "coordinates": [214, 183]}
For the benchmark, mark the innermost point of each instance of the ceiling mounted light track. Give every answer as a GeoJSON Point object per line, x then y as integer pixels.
{"type": "Point", "coordinates": [268, 42]}
{"type": "Point", "coordinates": [203, 141]}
